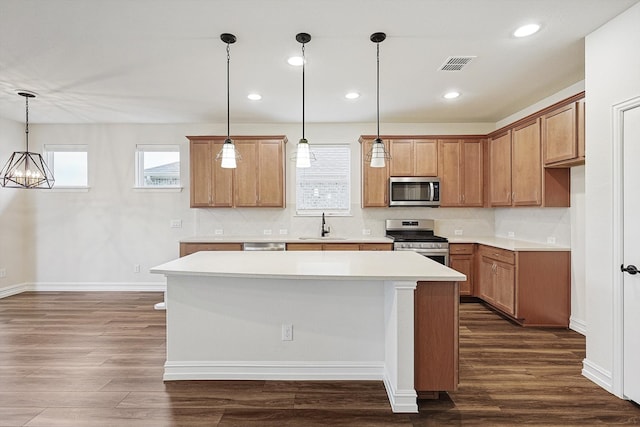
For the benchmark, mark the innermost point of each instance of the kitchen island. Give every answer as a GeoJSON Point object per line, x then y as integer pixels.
{"type": "Point", "coordinates": [320, 315]}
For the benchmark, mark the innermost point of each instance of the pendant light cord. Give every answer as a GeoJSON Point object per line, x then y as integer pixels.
{"type": "Point", "coordinates": [26, 126]}
{"type": "Point", "coordinates": [228, 60]}
{"type": "Point", "coordinates": [378, 87]}
{"type": "Point", "coordinates": [303, 61]}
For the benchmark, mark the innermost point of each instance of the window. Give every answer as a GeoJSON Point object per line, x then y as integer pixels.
{"type": "Point", "coordinates": [68, 164]}
{"type": "Point", "coordinates": [326, 185]}
{"type": "Point", "coordinates": [157, 166]}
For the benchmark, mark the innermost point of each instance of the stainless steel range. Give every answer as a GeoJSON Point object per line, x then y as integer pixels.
{"type": "Point", "coordinates": [417, 235]}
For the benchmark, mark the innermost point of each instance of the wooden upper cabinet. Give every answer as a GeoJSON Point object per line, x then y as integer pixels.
{"type": "Point", "coordinates": [375, 181]}
{"type": "Point", "coordinates": [413, 157]}
{"type": "Point", "coordinates": [526, 165]}
{"type": "Point", "coordinates": [246, 184]}
{"type": "Point", "coordinates": [500, 169]}
{"type": "Point", "coordinates": [271, 174]}
{"type": "Point", "coordinates": [461, 171]}
{"type": "Point", "coordinates": [257, 181]}
{"type": "Point", "coordinates": [563, 135]}
{"type": "Point", "coordinates": [211, 185]}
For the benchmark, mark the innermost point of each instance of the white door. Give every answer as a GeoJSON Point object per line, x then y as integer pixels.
{"type": "Point", "coordinates": [631, 253]}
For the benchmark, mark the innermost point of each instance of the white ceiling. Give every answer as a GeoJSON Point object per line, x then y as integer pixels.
{"type": "Point", "coordinates": [162, 61]}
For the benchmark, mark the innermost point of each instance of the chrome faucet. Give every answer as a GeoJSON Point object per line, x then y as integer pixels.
{"type": "Point", "coordinates": [325, 228]}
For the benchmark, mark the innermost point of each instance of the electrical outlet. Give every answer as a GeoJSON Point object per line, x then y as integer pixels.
{"type": "Point", "coordinates": [218, 231]}
{"type": "Point", "coordinates": [511, 234]}
{"type": "Point", "coordinates": [267, 232]}
{"type": "Point", "coordinates": [136, 268]}
{"type": "Point", "coordinates": [284, 231]}
{"type": "Point", "coordinates": [551, 240]}
{"type": "Point", "coordinates": [176, 223]}
{"type": "Point", "coordinates": [3, 272]}
{"type": "Point", "coordinates": [287, 332]}
{"type": "Point", "coordinates": [457, 232]}
{"type": "Point", "coordinates": [366, 231]}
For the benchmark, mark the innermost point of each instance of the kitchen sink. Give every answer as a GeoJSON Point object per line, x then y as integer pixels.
{"type": "Point", "coordinates": [321, 238]}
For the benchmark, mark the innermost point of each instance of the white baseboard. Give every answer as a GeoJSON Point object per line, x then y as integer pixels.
{"type": "Point", "coordinates": [268, 370]}
{"type": "Point", "coordinates": [98, 286]}
{"type": "Point", "coordinates": [14, 290]}
{"type": "Point", "coordinates": [598, 375]}
{"type": "Point", "coordinates": [578, 325]}
{"type": "Point", "coordinates": [405, 401]}
{"type": "Point", "coordinates": [83, 287]}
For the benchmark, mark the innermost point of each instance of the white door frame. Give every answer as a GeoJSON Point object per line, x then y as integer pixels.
{"type": "Point", "coordinates": [618, 242]}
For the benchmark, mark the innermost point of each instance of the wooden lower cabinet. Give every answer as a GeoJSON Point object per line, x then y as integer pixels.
{"type": "Point", "coordinates": [436, 338]}
{"type": "Point", "coordinates": [461, 256]}
{"type": "Point", "coordinates": [531, 287]}
{"type": "Point", "coordinates": [190, 248]}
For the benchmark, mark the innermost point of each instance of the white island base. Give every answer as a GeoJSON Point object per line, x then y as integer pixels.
{"type": "Point", "coordinates": [351, 316]}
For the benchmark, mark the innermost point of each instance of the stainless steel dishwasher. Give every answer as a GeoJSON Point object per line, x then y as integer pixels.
{"type": "Point", "coordinates": [264, 246]}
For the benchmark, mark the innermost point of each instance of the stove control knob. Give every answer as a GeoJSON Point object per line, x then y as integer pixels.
{"type": "Point", "coordinates": [439, 245]}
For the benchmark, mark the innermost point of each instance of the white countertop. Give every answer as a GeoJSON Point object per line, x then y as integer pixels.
{"type": "Point", "coordinates": [509, 244]}
{"type": "Point", "coordinates": [323, 265]}
{"type": "Point", "coordinates": [284, 239]}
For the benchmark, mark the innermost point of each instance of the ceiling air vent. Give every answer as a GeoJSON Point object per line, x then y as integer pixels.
{"type": "Point", "coordinates": [455, 63]}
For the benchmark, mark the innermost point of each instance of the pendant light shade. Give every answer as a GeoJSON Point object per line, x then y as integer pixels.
{"type": "Point", "coordinates": [228, 155]}
{"type": "Point", "coordinates": [378, 153]}
{"type": "Point", "coordinates": [303, 155]}
{"type": "Point", "coordinates": [26, 169]}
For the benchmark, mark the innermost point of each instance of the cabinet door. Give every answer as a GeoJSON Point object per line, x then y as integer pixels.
{"type": "Point", "coordinates": [526, 165]}
{"type": "Point", "coordinates": [425, 155]}
{"type": "Point", "coordinates": [190, 248]}
{"type": "Point", "coordinates": [500, 170]}
{"type": "Point", "coordinates": [472, 166]}
{"type": "Point", "coordinates": [375, 181]}
{"type": "Point", "coordinates": [449, 154]}
{"type": "Point", "coordinates": [246, 182]}
{"type": "Point", "coordinates": [560, 138]}
{"type": "Point", "coordinates": [402, 157]}
{"type": "Point", "coordinates": [211, 185]}
{"type": "Point", "coordinates": [463, 264]}
{"type": "Point", "coordinates": [505, 287]}
{"type": "Point", "coordinates": [201, 164]}
{"type": "Point", "coordinates": [270, 174]}
{"type": "Point", "coordinates": [486, 284]}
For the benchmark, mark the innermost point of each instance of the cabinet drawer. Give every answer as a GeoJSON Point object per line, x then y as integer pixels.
{"type": "Point", "coordinates": [497, 254]}
{"type": "Point", "coordinates": [461, 249]}
{"type": "Point", "coordinates": [190, 248]}
{"type": "Point", "coordinates": [376, 246]}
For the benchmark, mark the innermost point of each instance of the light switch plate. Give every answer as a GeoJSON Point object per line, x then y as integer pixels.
{"type": "Point", "coordinates": [176, 223]}
{"type": "Point", "coordinates": [457, 232]}
{"type": "Point", "coordinates": [218, 231]}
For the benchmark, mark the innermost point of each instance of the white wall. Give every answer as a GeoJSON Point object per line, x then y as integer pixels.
{"type": "Point", "coordinates": [612, 76]}
{"type": "Point", "coordinates": [16, 239]}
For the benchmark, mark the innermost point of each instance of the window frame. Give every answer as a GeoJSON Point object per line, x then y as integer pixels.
{"type": "Point", "coordinates": [317, 152]}
{"type": "Point", "coordinates": [139, 181]}
{"type": "Point", "coordinates": [49, 155]}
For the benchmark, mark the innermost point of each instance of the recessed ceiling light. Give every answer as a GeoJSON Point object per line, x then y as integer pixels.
{"type": "Point", "coordinates": [526, 30]}
{"type": "Point", "coordinates": [254, 96]}
{"type": "Point", "coordinates": [451, 95]}
{"type": "Point", "coordinates": [352, 95]}
{"type": "Point", "coordinates": [296, 61]}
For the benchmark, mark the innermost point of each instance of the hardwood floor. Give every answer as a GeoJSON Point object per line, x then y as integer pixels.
{"type": "Point", "coordinates": [96, 359]}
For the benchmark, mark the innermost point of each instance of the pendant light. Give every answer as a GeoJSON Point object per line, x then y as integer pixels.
{"type": "Point", "coordinates": [376, 157]}
{"type": "Point", "coordinates": [228, 155]}
{"type": "Point", "coordinates": [26, 169]}
{"type": "Point", "coordinates": [303, 154]}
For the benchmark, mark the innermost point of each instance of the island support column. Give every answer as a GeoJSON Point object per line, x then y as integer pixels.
{"type": "Point", "coordinates": [399, 345]}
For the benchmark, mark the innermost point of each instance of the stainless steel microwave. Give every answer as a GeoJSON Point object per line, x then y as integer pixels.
{"type": "Point", "coordinates": [414, 191]}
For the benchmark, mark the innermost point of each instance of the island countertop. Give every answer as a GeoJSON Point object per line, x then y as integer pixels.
{"type": "Point", "coordinates": [324, 265]}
